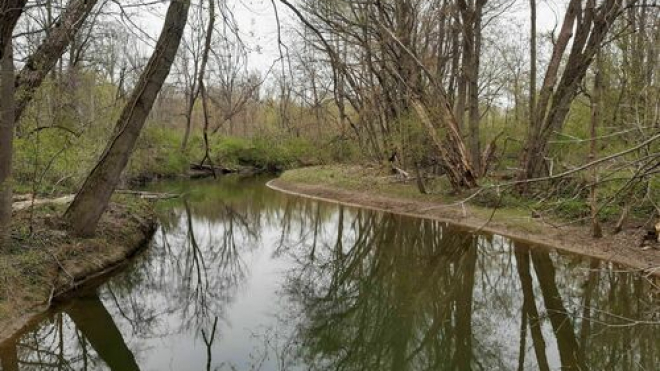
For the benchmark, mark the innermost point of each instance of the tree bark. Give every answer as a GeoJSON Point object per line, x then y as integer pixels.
{"type": "Point", "coordinates": [92, 200]}
{"type": "Point", "coordinates": [39, 64]}
{"type": "Point", "coordinates": [6, 143]}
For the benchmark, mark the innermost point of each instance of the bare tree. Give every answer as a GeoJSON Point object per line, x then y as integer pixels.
{"type": "Point", "coordinates": [92, 200]}
{"type": "Point", "coordinates": [592, 24]}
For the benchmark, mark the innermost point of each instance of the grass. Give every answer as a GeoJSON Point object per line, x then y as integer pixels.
{"type": "Point", "coordinates": [557, 209]}
{"type": "Point", "coordinates": [45, 259]}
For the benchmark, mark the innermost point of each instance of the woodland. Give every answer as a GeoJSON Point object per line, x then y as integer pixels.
{"type": "Point", "coordinates": [466, 97]}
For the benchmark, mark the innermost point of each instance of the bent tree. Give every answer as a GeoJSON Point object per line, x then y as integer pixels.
{"type": "Point", "coordinates": [92, 200]}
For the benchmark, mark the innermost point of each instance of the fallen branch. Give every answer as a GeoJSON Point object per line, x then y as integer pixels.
{"type": "Point", "coordinates": [150, 195]}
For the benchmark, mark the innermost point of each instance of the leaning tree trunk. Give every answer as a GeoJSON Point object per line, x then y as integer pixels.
{"type": "Point", "coordinates": [39, 63]}
{"type": "Point", "coordinates": [592, 25]}
{"type": "Point", "coordinates": [6, 142]}
{"type": "Point", "coordinates": [454, 155]}
{"type": "Point", "coordinates": [92, 200]}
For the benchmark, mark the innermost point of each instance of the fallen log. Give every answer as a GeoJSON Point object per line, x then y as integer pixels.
{"type": "Point", "coordinates": [16, 206]}
{"type": "Point", "coordinates": [149, 195]}
{"type": "Point", "coordinates": [204, 171]}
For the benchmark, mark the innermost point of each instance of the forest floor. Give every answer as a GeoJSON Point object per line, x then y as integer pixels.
{"type": "Point", "coordinates": [47, 263]}
{"type": "Point", "coordinates": [373, 188]}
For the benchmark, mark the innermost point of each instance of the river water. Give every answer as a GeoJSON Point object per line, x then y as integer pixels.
{"type": "Point", "coordinates": [240, 277]}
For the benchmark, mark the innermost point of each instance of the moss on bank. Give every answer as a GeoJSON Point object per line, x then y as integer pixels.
{"type": "Point", "coordinates": [46, 262]}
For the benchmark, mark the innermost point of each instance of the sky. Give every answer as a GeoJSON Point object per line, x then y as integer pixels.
{"type": "Point", "coordinates": [258, 27]}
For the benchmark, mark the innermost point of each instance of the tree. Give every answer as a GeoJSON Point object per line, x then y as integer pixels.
{"type": "Point", "coordinates": [42, 61]}
{"type": "Point", "coordinates": [6, 142]}
{"type": "Point", "coordinates": [592, 24]}
{"type": "Point", "coordinates": [92, 200]}
{"type": "Point", "coordinates": [389, 75]}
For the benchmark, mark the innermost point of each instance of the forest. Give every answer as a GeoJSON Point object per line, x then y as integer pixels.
{"type": "Point", "coordinates": [454, 97]}
{"type": "Point", "coordinates": [492, 169]}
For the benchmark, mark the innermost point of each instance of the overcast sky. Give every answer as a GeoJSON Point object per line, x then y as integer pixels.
{"type": "Point", "coordinates": [258, 26]}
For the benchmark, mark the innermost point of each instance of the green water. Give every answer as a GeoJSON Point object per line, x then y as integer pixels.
{"type": "Point", "coordinates": [240, 277]}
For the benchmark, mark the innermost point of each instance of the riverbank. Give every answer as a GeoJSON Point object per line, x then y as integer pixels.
{"type": "Point", "coordinates": [369, 188]}
{"type": "Point", "coordinates": [47, 263]}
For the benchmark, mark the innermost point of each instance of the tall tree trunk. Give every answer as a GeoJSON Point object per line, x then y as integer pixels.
{"type": "Point", "coordinates": [6, 143]}
{"type": "Point", "coordinates": [471, 14]}
{"type": "Point", "coordinates": [48, 53]}
{"type": "Point", "coordinates": [92, 200]}
{"type": "Point", "coordinates": [533, 63]}
{"type": "Point", "coordinates": [202, 86]}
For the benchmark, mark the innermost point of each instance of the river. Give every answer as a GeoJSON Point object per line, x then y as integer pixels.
{"type": "Point", "coordinates": [240, 277]}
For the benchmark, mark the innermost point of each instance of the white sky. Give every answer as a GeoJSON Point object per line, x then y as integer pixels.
{"type": "Point", "coordinates": [258, 26]}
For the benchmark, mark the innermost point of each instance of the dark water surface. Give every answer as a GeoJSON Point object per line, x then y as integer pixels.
{"type": "Point", "coordinates": [240, 277]}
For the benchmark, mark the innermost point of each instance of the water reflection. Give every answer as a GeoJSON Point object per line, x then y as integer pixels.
{"type": "Point", "coordinates": [241, 277]}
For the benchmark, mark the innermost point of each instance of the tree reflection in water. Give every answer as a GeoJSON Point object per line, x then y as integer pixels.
{"type": "Point", "coordinates": [394, 293]}
{"type": "Point", "coordinates": [358, 290]}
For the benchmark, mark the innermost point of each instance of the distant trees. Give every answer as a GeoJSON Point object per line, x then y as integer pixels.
{"type": "Point", "coordinates": [18, 91]}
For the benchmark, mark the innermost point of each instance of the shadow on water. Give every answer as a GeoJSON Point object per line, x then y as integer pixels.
{"type": "Point", "coordinates": [241, 277]}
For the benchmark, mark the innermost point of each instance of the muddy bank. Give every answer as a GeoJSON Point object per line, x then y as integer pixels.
{"type": "Point", "coordinates": [622, 248]}
{"type": "Point", "coordinates": [47, 264]}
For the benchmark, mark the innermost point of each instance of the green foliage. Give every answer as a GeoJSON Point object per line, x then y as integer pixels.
{"type": "Point", "coordinates": [268, 153]}
{"type": "Point", "coordinates": [158, 154]}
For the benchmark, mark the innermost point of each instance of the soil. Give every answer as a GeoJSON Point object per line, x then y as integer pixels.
{"type": "Point", "coordinates": [623, 248]}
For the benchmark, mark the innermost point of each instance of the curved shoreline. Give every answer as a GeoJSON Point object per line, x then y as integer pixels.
{"type": "Point", "coordinates": [565, 239]}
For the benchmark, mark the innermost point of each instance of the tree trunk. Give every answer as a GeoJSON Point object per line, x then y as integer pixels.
{"type": "Point", "coordinates": [533, 68]}
{"type": "Point", "coordinates": [471, 15]}
{"type": "Point", "coordinates": [6, 143]}
{"type": "Point", "coordinates": [202, 86]}
{"type": "Point", "coordinates": [452, 150]}
{"type": "Point", "coordinates": [51, 49]}
{"type": "Point", "coordinates": [593, 25]}
{"type": "Point", "coordinates": [10, 12]}
{"type": "Point", "coordinates": [596, 229]}
{"type": "Point", "coordinates": [91, 201]}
